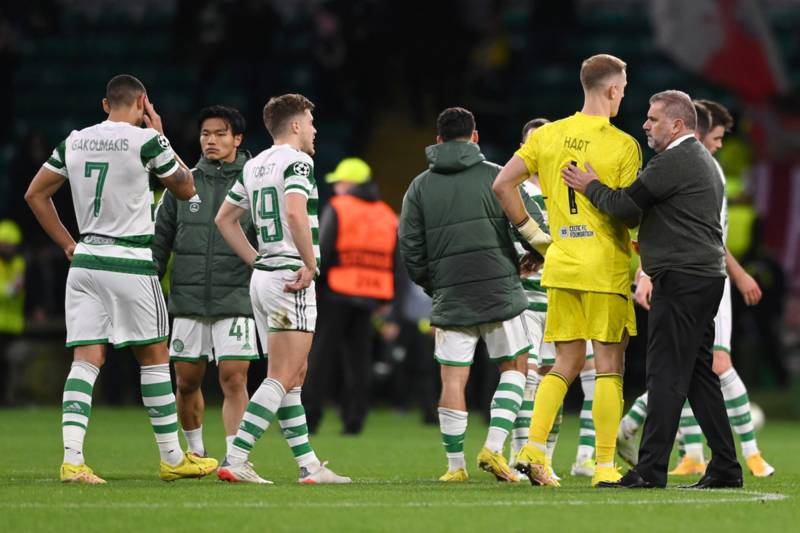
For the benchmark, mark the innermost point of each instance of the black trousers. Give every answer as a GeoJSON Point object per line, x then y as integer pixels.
{"type": "Point", "coordinates": [341, 348]}
{"type": "Point", "coordinates": [679, 356]}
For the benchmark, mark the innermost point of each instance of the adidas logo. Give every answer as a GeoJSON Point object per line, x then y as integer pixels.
{"type": "Point", "coordinates": [74, 407]}
{"type": "Point", "coordinates": [153, 412]}
{"type": "Point", "coordinates": [289, 434]}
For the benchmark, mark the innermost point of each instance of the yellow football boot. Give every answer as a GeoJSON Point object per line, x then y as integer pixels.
{"type": "Point", "coordinates": [689, 467]}
{"type": "Point", "coordinates": [80, 474]}
{"type": "Point", "coordinates": [455, 475]}
{"type": "Point", "coordinates": [191, 466]}
{"type": "Point", "coordinates": [532, 462]}
{"type": "Point", "coordinates": [758, 466]}
{"type": "Point", "coordinates": [607, 474]}
{"type": "Point", "coordinates": [496, 464]}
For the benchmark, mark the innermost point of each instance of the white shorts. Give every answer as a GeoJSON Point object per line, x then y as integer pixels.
{"type": "Point", "coordinates": [219, 339]}
{"type": "Point", "coordinates": [104, 307]}
{"type": "Point", "coordinates": [276, 310]}
{"type": "Point", "coordinates": [544, 353]}
{"type": "Point", "coordinates": [505, 341]}
{"type": "Point", "coordinates": [723, 321]}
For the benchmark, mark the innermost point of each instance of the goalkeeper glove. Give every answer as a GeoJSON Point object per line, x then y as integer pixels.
{"type": "Point", "coordinates": [532, 233]}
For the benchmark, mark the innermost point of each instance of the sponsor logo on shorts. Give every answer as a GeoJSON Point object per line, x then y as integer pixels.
{"type": "Point", "coordinates": [177, 345]}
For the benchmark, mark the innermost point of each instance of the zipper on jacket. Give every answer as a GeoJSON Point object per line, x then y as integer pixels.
{"type": "Point", "coordinates": [211, 237]}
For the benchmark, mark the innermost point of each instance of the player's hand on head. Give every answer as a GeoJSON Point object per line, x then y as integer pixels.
{"type": "Point", "coordinates": [644, 292]}
{"type": "Point", "coordinates": [578, 179]}
{"type": "Point", "coordinates": [750, 290]}
{"type": "Point", "coordinates": [303, 280]}
{"type": "Point", "coordinates": [151, 118]}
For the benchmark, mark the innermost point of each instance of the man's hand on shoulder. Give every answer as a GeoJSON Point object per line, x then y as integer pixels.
{"type": "Point", "coordinates": [577, 179]}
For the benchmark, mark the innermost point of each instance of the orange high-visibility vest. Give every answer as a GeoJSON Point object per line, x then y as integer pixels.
{"type": "Point", "coordinates": [365, 247]}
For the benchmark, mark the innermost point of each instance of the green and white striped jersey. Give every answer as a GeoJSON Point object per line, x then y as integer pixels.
{"type": "Point", "coordinates": [261, 187]}
{"type": "Point", "coordinates": [108, 167]}
{"type": "Point", "coordinates": [537, 295]}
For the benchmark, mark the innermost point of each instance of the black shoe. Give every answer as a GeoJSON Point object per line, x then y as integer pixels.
{"type": "Point", "coordinates": [631, 480]}
{"type": "Point", "coordinates": [711, 482]}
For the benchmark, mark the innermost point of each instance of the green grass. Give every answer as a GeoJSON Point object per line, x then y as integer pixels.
{"type": "Point", "coordinates": [394, 465]}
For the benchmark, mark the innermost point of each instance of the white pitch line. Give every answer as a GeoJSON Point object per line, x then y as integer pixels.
{"type": "Point", "coordinates": [730, 497]}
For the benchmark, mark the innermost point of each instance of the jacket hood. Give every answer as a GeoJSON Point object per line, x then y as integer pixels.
{"type": "Point", "coordinates": [453, 156]}
{"type": "Point", "coordinates": [223, 168]}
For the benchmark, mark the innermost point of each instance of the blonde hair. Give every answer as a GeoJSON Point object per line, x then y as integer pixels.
{"type": "Point", "coordinates": [598, 68]}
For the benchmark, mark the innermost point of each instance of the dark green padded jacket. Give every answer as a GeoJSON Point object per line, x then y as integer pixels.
{"type": "Point", "coordinates": [456, 241]}
{"type": "Point", "coordinates": [208, 278]}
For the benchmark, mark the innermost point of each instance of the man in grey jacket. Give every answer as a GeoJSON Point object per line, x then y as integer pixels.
{"type": "Point", "coordinates": [677, 198]}
{"type": "Point", "coordinates": [209, 286]}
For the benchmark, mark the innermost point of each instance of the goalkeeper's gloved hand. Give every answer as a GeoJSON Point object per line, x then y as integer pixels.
{"type": "Point", "coordinates": [532, 233]}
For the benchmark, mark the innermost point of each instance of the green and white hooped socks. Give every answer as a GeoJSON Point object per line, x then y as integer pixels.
{"type": "Point", "coordinates": [522, 424]}
{"type": "Point", "coordinates": [453, 425]}
{"type": "Point", "coordinates": [586, 436]}
{"type": "Point", "coordinates": [506, 403]}
{"type": "Point", "coordinates": [738, 405]}
{"type": "Point", "coordinates": [257, 417]}
{"type": "Point", "coordinates": [76, 408]}
{"type": "Point", "coordinates": [292, 418]}
{"type": "Point", "coordinates": [159, 401]}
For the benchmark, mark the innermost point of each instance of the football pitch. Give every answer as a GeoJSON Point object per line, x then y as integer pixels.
{"type": "Point", "coordinates": [394, 465]}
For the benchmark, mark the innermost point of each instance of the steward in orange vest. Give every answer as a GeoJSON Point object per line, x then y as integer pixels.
{"type": "Point", "coordinates": [359, 256]}
{"type": "Point", "coordinates": [358, 242]}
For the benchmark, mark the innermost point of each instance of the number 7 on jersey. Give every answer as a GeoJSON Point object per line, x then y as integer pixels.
{"type": "Point", "coordinates": [102, 169]}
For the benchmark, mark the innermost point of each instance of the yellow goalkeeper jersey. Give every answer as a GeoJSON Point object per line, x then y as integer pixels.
{"type": "Point", "coordinates": [591, 251]}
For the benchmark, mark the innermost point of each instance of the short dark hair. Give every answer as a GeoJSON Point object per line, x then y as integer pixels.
{"type": "Point", "coordinates": [532, 125]}
{"type": "Point", "coordinates": [598, 68]}
{"type": "Point", "coordinates": [677, 105]}
{"type": "Point", "coordinates": [455, 123]}
{"type": "Point", "coordinates": [703, 119]}
{"type": "Point", "coordinates": [720, 116]}
{"type": "Point", "coordinates": [123, 89]}
{"type": "Point", "coordinates": [230, 116]}
{"type": "Point", "coordinates": [280, 109]}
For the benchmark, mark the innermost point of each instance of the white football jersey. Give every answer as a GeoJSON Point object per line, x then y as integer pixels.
{"type": "Point", "coordinates": [261, 187]}
{"type": "Point", "coordinates": [108, 167]}
{"type": "Point", "coordinates": [532, 285]}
